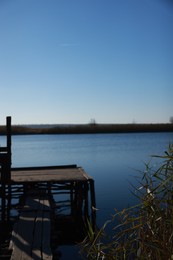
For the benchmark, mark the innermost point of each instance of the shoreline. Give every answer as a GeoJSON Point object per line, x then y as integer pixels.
{"type": "Point", "coordinates": [87, 129]}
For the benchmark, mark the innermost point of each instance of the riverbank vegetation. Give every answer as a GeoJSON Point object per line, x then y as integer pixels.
{"type": "Point", "coordinates": [144, 231]}
{"type": "Point", "coordinates": [87, 128]}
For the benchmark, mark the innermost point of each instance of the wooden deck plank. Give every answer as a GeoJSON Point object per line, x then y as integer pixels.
{"type": "Point", "coordinates": [46, 250]}
{"type": "Point", "coordinates": [46, 227]}
{"type": "Point", "coordinates": [23, 236]}
{"type": "Point", "coordinates": [46, 174]}
{"type": "Point", "coordinates": [27, 233]}
{"type": "Point", "coordinates": [31, 234]}
{"type": "Point", "coordinates": [37, 238]}
{"type": "Point", "coordinates": [60, 173]}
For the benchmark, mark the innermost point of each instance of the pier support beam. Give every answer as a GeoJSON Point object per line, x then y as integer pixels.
{"type": "Point", "coordinates": [93, 203]}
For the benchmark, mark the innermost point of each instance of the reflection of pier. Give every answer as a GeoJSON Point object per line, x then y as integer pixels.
{"type": "Point", "coordinates": [53, 204]}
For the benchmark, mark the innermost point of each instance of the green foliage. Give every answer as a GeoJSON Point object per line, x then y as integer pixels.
{"type": "Point", "coordinates": [144, 231]}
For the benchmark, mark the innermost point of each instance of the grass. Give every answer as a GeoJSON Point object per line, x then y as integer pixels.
{"type": "Point", "coordinates": [144, 231]}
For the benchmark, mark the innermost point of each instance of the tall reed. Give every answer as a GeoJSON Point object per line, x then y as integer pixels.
{"type": "Point", "coordinates": [144, 231]}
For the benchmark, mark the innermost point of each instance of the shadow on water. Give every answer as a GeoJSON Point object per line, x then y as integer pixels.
{"type": "Point", "coordinates": [69, 225]}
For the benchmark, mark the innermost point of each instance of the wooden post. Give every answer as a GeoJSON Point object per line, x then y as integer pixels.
{"type": "Point", "coordinates": [3, 203]}
{"type": "Point", "coordinates": [93, 203]}
{"type": "Point", "coordinates": [8, 129]}
{"type": "Point", "coordinates": [86, 200]}
{"type": "Point", "coordinates": [6, 172]}
{"type": "Point", "coordinates": [72, 197]}
{"type": "Point", "coordinates": [8, 123]}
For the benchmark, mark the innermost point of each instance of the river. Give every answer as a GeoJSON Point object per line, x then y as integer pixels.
{"type": "Point", "coordinates": [113, 160]}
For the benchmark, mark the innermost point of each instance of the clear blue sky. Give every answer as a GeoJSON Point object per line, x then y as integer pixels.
{"type": "Point", "coordinates": [70, 61]}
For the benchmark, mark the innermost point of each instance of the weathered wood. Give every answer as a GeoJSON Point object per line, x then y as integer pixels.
{"type": "Point", "coordinates": [8, 123]}
{"type": "Point", "coordinates": [5, 153]}
{"type": "Point", "coordinates": [37, 238]}
{"type": "Point", "coordinates": [5, 167]}
{"type": "Point", "coordinates": [22, 236]}
{"type": "Point", "coordinates": [3, 149]}
{"type": "Point", "coordinates": [55, 179]}
{"type": "Point", "coordinates": [31, 234]}
{"type": "Point", "coordinates": [46, 250]}
{"type": "Point", "coordinates": [93, 203]}
{"type": "Point", "coordinates": [48, 175]}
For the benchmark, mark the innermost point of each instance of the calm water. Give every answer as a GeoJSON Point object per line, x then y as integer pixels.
{"type": "Point", "coordinates": [111, 159]}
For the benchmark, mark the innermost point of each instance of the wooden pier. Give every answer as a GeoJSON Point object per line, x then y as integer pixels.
{"type": "Point", "coordinates": [45, 198]}
{"type": "Point", "coordinates": [31, 233]}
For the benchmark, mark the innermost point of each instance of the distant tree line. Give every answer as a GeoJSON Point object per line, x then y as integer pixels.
{"type": "Point", "coordinates": [92, 127]}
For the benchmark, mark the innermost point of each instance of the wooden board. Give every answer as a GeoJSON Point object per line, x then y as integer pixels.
{"type": "Point", "coordinates": [49, 175]}
{"type": "Point", "coordinates": [31, 234]}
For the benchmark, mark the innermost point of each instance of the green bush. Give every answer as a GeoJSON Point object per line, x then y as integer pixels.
{"type": "Point", "coordinates": [144, 231]}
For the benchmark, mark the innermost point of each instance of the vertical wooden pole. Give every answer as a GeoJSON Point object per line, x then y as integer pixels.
{"type": "Point", "coordinates": [8, 126]}
{"type": "Point", "coordinates": [6, 172]}
{"type": "Point", "coordinates": [72, 197]}
{"type": "Point", "coordinates": [8, 165]}
{"type": "Point", "coordinates": [93, 203]}
{"type": "Point", "coordinates": [3, 203]}
{"type": "Point", "coordinates": [86, 200]}
{"type": "Point", "coordinates": [3, 198]}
